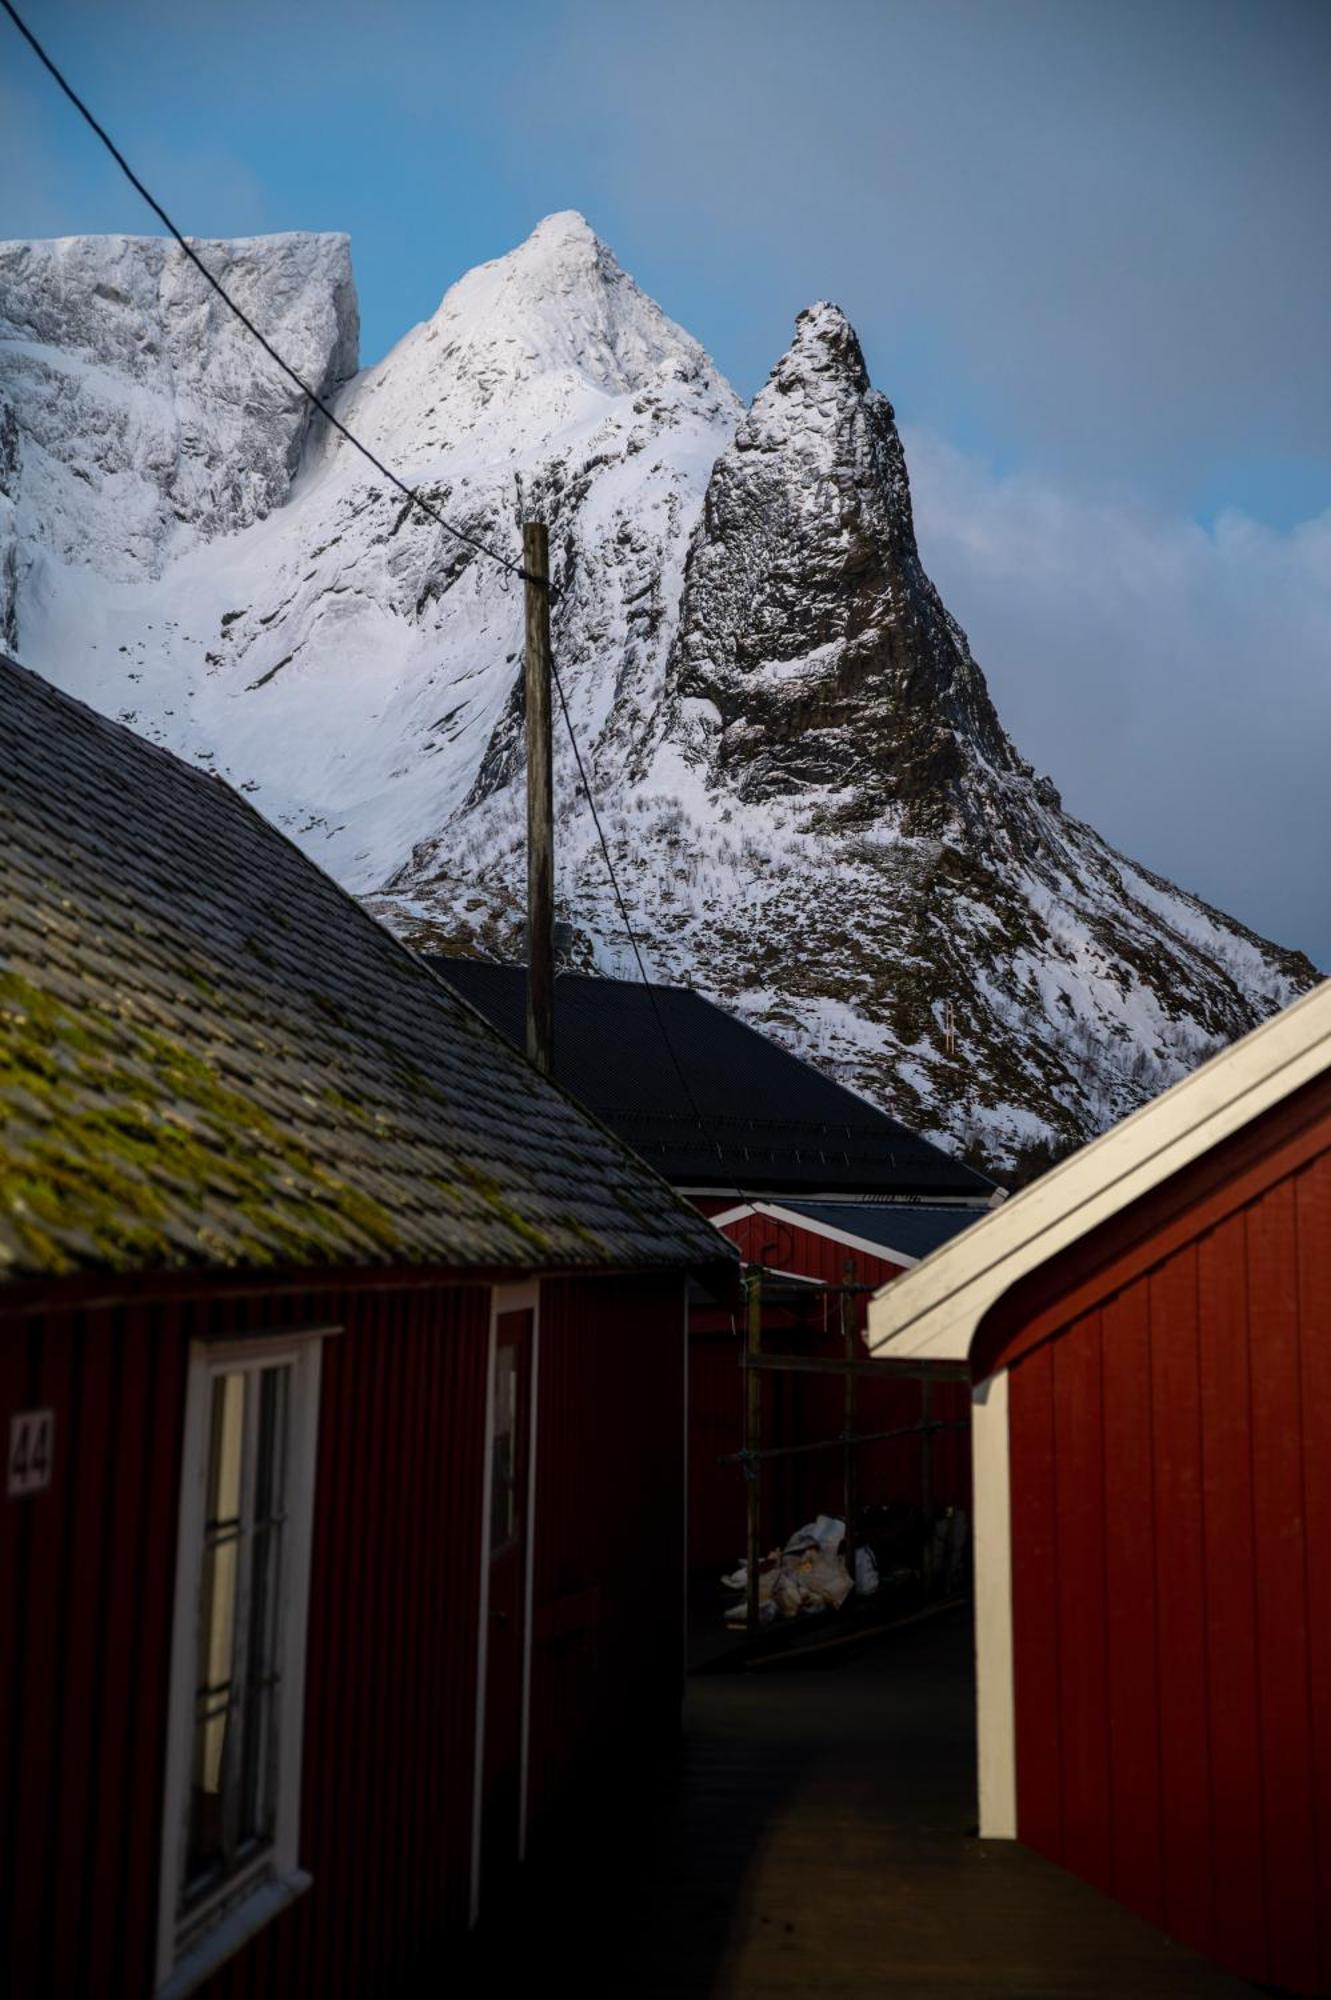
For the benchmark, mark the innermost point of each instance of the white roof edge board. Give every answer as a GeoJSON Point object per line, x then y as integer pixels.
{"type": "Point", "coordinates": [935, 1309]}
{"type": "Point", "coordinates": [816, 1227]}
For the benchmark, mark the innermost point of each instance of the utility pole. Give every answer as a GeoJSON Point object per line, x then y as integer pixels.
{"type": "Point", "coordinates": [540, 802]}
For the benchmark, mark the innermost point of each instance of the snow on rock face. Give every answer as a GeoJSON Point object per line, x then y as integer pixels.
{"type": "Point", "coordinates": [552, 337]}
{"type": "Point", "coordinates": [349, 663]}
{"type": "Point", "coordinates": [809, 623]}
{"type": "Point", "coordinates": [817, 680]}
{"type": "Point", "coordinates": [145, 416]}
{"type": "Point", "coordinates": [814, 811]}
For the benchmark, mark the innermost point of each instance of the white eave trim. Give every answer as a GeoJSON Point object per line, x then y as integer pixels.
{"type": "Point", "coordinates": [935, 1310]}
{"type": "Point", "coordinates": [790, 1219]}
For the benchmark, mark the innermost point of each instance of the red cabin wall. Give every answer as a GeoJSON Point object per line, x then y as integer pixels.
{"type": "Point", "coordinates": [1170, 1453]}
{"type": "Point", "coordinates": [390, 1702]}
{"type": "Point", "coordinates": [607, 1619]}
{"type": "Point", "coordinates": [87, 1568]}
{"type": "Point", "coordinates": [88, 1573]}
{"type": "Point", "coordinates": [799, 1409]}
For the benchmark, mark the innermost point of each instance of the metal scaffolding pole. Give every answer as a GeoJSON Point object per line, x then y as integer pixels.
{"type": "Point", "coordinates": [849, 1507]}
{"type": "Point", "coordinates": [753, 1418]}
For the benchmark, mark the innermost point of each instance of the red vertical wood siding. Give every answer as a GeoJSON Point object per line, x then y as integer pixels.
{"type": "Point", "coordinates": [1282, 1576]}
{"type": "Point", "coordinates": [1079, 1512]}
{"type": "Point", "coordinates": [716, 1428]}
{"type": "Point", "coordinates": [83, 1651]}
{"type": "Point", "coordinates": [607, 1613]}
{"type": "Point", "coordinates": [1232, 1554]}
{"type": "Point", "coordinates": [1184, 1730]}
{"type": "Point", "coordinates": [387, 1780]}
{"type": "Point", "coordinates": [1312, 1191]}
{"type": "Point", "coordinates": [1035, 1607]}
{"type": "Point", "coordinates": [1133, 1556]}
{"type": "Point", "coordinates": [1170, 1454]}
{"type": "Point", "coordinates": [88, 1572]}
{"type": "Point", "coordinates": [800, 1409]}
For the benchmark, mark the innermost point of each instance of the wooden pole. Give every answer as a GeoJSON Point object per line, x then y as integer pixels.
{"type": "Point", "coordinates": [927, 1475]}
{"type": "Point", "coordinates": [753, 1417]}
{"type": "Point", "coordinates": [540, 802]}
{"type": "Point", "coordinates": [848, 1467]}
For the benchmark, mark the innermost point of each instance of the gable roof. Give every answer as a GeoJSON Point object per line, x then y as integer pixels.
{"type": "Point", "coordinates": [210, 1055]}
{"type": "Point", "coordinates": [900, 1231]}
{"type": "Point", "coordinates": [936, 1311]}
{"type": "Point", "coordinates": [772, 1122]}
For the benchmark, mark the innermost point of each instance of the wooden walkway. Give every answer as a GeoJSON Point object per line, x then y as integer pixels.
{"type": "Point", "coordinates": [814, 1837]}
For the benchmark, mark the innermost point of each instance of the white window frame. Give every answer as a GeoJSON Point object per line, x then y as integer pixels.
{"type": "Point", "coordinates": [522, 1297]}
{"type": "Point", "coordinates": [246, 1902]}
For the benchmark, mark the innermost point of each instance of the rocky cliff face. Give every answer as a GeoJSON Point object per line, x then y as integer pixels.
{"type": "Point", "coordinates": [815, 812]}
{"type": "Point", "coordinates": [138, 412]}
{"type": "Point", "coordinates": [809, 625]}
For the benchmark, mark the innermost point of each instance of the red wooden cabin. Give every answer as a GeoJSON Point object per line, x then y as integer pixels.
{"type": "Point", "coordinates": [822, 1245]}
{"type": "Point", "coordinates": [1148, 1329]}
{"type": "Point", "coordinates": [328, 1555]}
{"type": "Point", "coordinates": [804, 1177]}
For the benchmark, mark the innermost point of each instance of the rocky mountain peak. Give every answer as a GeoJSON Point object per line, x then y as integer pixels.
{"type": "Point", "coordinates": [825, 344]}
{"type": "Point", "coordinates": [815, 814]}
{"type": "Point", "coordinates": [564, 241]}
{"type": "Point", "coordinates": [562, 302]}
{"type": "Point", "coordinates": [809, 630]}
{"type": "Point", "coordinates": [551, 340]}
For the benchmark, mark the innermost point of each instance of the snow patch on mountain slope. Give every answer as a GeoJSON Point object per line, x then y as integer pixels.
{"type": "Point", "coordinates": [344, 660]}
{"type": "Point", "coordinates": [143, 421]}
{"type": "Point", "coordinates": [813, 809]}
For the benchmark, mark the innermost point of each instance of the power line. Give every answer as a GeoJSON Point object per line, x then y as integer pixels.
{"type": "Point", "coordinates": [410, 493]}
{"type": "Point", "coordinates": [631, 934]}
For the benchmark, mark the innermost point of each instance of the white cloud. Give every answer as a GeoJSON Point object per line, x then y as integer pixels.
{"type": "Point", "coordinates": [1174, 680]}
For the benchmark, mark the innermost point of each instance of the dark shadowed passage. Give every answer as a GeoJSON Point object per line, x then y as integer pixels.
{"type": "Point", "coordinates": [813, 1835]}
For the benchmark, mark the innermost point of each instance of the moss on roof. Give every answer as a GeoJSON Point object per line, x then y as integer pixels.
{"type": "Point", "coordinates": [211, 1055]}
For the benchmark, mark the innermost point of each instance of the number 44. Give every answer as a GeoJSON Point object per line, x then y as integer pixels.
{"type": "Point", "coordinates": [31, 1446]}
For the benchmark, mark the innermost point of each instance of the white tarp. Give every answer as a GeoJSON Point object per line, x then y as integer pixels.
{"type": "Point", "coordinates": [807, 1577]}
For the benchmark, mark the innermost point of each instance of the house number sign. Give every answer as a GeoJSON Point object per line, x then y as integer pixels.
{"type": "Point", "coordinates": [31, 1444]}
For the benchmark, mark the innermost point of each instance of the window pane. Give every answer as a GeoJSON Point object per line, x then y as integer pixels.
{"type": "Point", "coordinates": [262, 1676]}
{"type": "Point", "coordinates": [503, 1466]}
{"type": "Point", "coordinates": [218, 1600]}
{"type": "Point", "coordinates": [234, 1770]}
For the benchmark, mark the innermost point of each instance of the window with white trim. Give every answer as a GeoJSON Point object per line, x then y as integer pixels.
{"type": "Point", "coordinates": [230, 1845]}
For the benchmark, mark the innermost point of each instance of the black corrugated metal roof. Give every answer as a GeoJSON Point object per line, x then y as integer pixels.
{"type": "Point", "coordinates": [912, 1228]}
{"type": "Point", "coordinates": [772, 1122]}
{"type": "Point", "coordinates": [211, 1055]}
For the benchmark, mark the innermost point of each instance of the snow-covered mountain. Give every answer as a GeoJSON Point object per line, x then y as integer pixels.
{"type": "Point", "coordinates": [814, 809]}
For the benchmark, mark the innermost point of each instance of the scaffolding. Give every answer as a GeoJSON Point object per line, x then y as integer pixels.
{"type": "Point", "coordinates": [762, 1285]}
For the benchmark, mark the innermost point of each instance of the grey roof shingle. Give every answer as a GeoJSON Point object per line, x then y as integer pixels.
{"type": "Point", "coordinates": [210, 1055]}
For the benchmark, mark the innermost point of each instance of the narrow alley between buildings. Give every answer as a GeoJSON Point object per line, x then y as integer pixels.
{"type": "Point", "coordinates": [814, 1834]}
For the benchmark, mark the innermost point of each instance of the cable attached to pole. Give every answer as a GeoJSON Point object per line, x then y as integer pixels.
{"type": "Point", "coordinates": [410, 493]}
{"type": "Point", "coordinates": [631, 934]}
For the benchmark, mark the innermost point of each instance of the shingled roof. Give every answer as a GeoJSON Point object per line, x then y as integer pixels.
{"type": "Point", "coordinates": [770, 1123]}
{"type": "Point", "coordinates": [210, 1055]}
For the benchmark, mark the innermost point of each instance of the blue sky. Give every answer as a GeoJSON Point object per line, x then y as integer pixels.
{"type": "Point", "coordinates": [1095, 237]}
{"type": "Point", "coordinates": [1086, 243]}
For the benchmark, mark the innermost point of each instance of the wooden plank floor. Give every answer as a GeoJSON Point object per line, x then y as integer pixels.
{"type": "Point", "coordinates": [814, 1837]}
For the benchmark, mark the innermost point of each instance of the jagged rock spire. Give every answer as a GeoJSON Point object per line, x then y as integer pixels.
{"type": "Point", "coordinates": [808, 622]}
{"type": "Point", "coordinates": [357, 672]}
